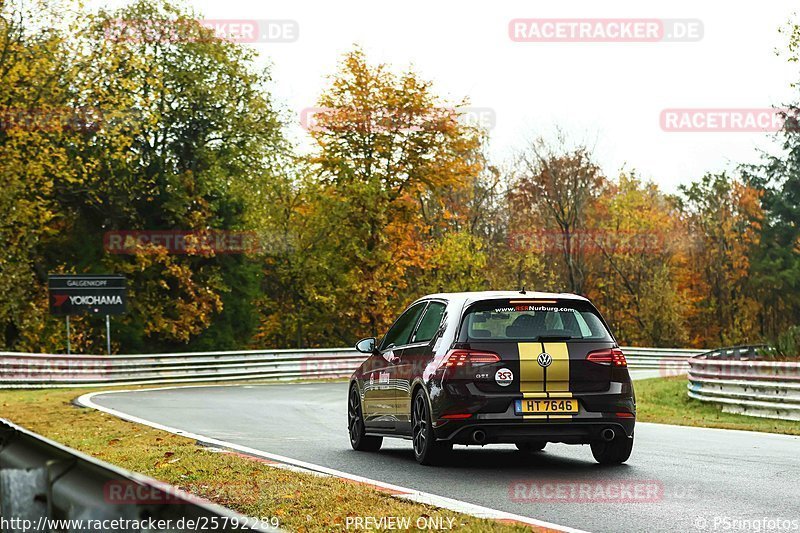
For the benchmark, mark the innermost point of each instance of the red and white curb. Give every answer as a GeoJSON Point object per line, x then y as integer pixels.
{"type": "Point", "coordinates": [280, 461]}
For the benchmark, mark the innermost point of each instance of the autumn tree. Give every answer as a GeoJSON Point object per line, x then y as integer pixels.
{"type": "Point", "coordinates": [775, 265]}
{"type": "Point", "coordinates": [174, 130]}
{"type": "Point", "coordinates": [39, 122]}
{"type": "Point", "coordinates": [387, 148]}
{"type": "Point", "coordinates": [191, 143]}
{"type": "Point", "coordinates": [635, 251]}
{"type": "Point", "coordinates": [554, 187]}
{"type": "Point", "coordinates": [722, 216]}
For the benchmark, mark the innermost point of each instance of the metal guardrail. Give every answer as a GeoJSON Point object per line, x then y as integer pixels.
{"type": "Point", "coordinates": [22, 370]}
{"type": "Point", "coordinates": [670, 361]}
{"type": "Point", "coordinates": [44, 485]}
{"type": "Point", "coordinates": [56, 370]}
{"type": "Point", "coordinates": [733, 378]}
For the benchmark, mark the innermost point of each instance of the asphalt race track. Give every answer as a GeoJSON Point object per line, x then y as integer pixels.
{"type": "Point", "coordinates": [704, 476]}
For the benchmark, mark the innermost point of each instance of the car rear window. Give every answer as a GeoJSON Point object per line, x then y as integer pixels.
{"type": "Point", "coordinates": [522, 320]}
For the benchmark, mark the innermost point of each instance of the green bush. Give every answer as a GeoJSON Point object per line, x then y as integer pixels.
{"type": "Point", "coordinates": [787, 344]}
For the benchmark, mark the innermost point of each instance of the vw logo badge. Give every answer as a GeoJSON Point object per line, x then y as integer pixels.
{"type": "Point", "coordinates": [544, 359]}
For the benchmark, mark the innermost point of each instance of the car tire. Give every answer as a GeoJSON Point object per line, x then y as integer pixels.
{"type": "Point", "coordinates": [532, 446]}
{"type": "Point", "coordinates": [613, 452]}
{"type": "Point", "coordinates": [356, 427]}
{"type": "Point", "coordinates": [427, 451]}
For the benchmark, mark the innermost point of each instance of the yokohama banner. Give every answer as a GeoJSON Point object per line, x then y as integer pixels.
{"type": "Point", "coordinates": [75, 294]}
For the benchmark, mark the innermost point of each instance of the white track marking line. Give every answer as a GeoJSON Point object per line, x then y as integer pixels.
{"type": "Point", "coordinates": [749, 432]}
{"type": "Point", "coordinates": [479, 511]}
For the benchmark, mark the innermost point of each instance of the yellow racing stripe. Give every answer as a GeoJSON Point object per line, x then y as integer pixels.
{"type": "Point", "coordinates": [531, 375]}
{"type": "Point", "coordinates": [558, 371]}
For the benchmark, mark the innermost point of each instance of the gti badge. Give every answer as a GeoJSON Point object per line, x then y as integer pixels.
{"type": "Point", "coordinates": [504, 377]}
{"type": "Point", "coordinates": [544, 359]}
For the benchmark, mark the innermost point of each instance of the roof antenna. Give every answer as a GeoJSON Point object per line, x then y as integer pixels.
{"type": "Point", "coordinates": [523, 290]}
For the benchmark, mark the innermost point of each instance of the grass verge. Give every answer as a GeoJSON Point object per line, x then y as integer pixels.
{"type": "Point", "coordinates": [665, 401]}
{"type": "Point", "coordinates": [302, 502]}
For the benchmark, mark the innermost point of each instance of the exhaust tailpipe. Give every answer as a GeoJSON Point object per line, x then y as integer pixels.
{"type": "Point", "coordinates": [479, 436]}
{"type": "Point", "coordinates": [608, 434]}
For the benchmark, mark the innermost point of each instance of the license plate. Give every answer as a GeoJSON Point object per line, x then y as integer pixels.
{"type": "Point", "coordinates": [547, 406]}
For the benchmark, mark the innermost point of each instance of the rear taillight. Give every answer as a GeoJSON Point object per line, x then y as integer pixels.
{"type": "Point", "coordinates": [459, 358]}
{"type": "Point", "coordinates": [613, 357]}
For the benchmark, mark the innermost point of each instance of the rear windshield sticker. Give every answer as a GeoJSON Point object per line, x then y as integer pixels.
{"type": "Point", "coordinates": [518, 308]}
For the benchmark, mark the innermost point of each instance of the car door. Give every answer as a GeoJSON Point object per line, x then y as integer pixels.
{"type": "Point", "coordinates": [379, 404]}
{"type": "Point", "coordinates": [414, 358]}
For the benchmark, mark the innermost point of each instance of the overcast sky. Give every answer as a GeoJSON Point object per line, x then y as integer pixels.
{"type": "Point", "coordinates": [609, 94]}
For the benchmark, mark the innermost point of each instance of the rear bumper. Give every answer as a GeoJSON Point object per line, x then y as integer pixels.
{"type": "Point", "coordinates": [573, 431]}
{"type": "Point", "coordinates": [496, 417]}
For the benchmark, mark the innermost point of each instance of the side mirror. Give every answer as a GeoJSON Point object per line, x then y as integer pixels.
{"type": "Point", "coordinates": [366, 345]}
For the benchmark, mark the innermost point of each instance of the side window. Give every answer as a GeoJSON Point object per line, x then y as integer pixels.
{"type": "Point", "coordinates": [430, 322]}
{"type": "Point", "coordinates": [401, 330]}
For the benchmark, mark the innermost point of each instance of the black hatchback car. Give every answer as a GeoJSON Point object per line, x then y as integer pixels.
{"type": "Point", "coordinates": [480, 368]}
